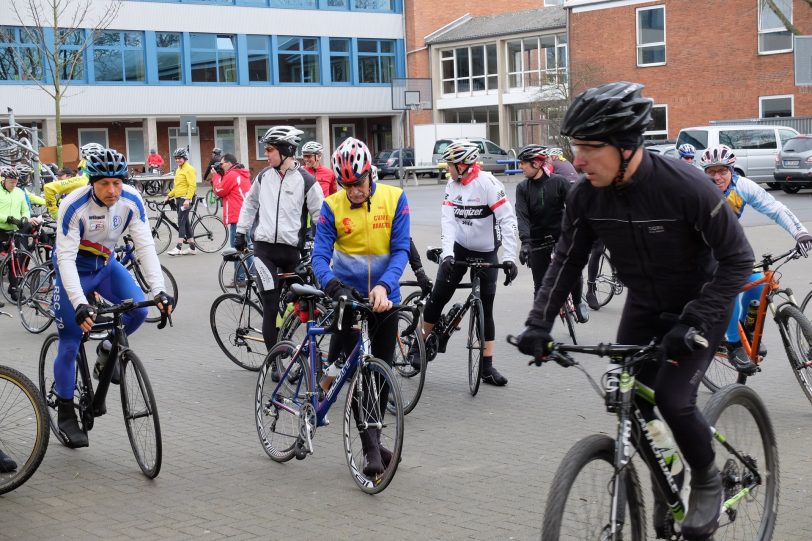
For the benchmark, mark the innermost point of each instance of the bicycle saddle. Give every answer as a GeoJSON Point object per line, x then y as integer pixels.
{"type": "Point", "coordinates": [434, 254]}
{"type": "Point", "coordinates": [230, 254]}
{"type": "Point", "coordinates": [301, 290]}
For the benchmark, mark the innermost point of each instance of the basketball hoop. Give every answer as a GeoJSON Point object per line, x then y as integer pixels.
{"type": "Point", "coordinates": [415, 107]}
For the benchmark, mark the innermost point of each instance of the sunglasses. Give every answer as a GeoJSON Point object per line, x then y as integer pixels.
{"type": "Point", "coordinates": [357, 184]}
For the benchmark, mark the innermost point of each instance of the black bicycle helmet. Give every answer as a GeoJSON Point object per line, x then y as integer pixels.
{"type": "Point", "coordinates": [106, 164]}
{"type": "Point", "coordinates": [181, 153]}
{"type": "Point", "coordinates": [532, 152]}
{"type": "Point", "coordinates": [615, 113]}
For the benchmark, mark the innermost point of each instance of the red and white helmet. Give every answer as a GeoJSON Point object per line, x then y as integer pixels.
{"type": "Point", "coordinates": [718, 155]}
{"type": "Point", "coordinates": [352, 162]}
{"type": "Point", "coordinates": [464, 152]}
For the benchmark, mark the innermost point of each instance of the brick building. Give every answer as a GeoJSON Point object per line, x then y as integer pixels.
{"type": "Point", "coordinates": [700, 61]}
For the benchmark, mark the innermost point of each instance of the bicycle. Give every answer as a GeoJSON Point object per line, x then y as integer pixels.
{"type": "Point", "coordinates": [211, 202]}
{"type": "Point", "coordinates": [24, 433]}
{"type": "Point", "coordinates": [607, 282]}
{"type": "Point", "coordinates": [437, 339]}
{"type": "Point", "coordinates": [409, 361]}
{"type": "Point", "coordinates": [288, 412]}
{"type": "Point", "coordinates": [137, 399]}
{"type": "Point", "coordinates": [227, 274]}
{"type": "Point", "coordinates": [209, 232]}
{"type": "Point", "coordinates": [34, 297]}
{"type": "Point", "coordinates": [567, 310]}
{"type": "Point", "coordinates": [596, 492]}
{"type": "Point", "coordinates": [13, 267]}
{"type": "Point", "coordinates": [794, 327]}
{"type": "Point", "coordinates": [127, 257]}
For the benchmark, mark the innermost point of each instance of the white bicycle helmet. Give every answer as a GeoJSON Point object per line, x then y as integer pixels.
{"type": "Point", "coordinates": [352, 162]}
{"type": "Point", "coordinates": [312, 147]}
{"type": "Point", "coordinates": [91, 148]}
{"type": "Point", "coordinates": [686, 150]}
{"type": "Point", "coordinates": [464, 152]}
{"type": "Point", "coordinates": [718, 155]}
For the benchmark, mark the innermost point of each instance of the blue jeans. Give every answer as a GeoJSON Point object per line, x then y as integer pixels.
{"type": "Point", "coordinates": [239, 270]}
{"type": "Point", "coordinates": [743, 301]}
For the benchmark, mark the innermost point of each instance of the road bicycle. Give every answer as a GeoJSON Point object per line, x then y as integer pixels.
{"type": "Point", "coordinates": [24, 430]}
{"type": "Point", "coordinates": [607, 282]}
{"type": "Point", "coordinates": [14, 265]}
{"type": "Point", "coordinates": [794, 327]}
{"type": "Point", "coordinates": [567, 311]}
{"type": "Point", "coordinates": [409, 361]}
{"type": "Point", "coordinates": [596, 492]}
{"type": "Point", "coordinates": [288, 412]}
{"type": "Point", "coordinates": [227, 274]}
{"type": "Point", "coordinates": [127, 256]}
{"type": "Point", "coordinates": [211, 202]}
{"type": "Point", "coordinates": [137, 399]}
{"type": "Point", "coordinates": [209, 232]}
{"type": "Point", "coordinates": [448, 324]}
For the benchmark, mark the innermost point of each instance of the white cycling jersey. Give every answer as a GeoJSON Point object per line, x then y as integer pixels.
{"type": "Point", "coordinates": [87, 234]}
{"type": "Point", "coordinates": [478, 216]}
{"type": "Point", "coordinates": [742, 192]}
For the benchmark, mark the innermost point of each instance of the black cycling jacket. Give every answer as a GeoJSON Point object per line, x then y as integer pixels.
{"type": "Point", "coordinates": [666, 231]}
{"type": "Point", "coordinates": [540, 207]}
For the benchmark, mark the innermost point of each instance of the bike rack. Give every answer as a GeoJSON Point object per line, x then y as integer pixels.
{"type": "Point", "coordinates": [514, 162]}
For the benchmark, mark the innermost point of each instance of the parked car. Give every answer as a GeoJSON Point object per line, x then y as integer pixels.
{"type": "Point", "coordinates": [668, 150]}
{"type": "Point", "coordinates": [388, 161]}
{"type": "Point", "coordinates": [755, 146]}
{"type": "Point", "coordinates": [793, 164]}
{"type": "Point", "coordinates": [489, 153]}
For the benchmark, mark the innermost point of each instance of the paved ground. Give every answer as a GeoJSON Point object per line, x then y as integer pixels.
{"type": "Point", "coordinates": [473, 468]}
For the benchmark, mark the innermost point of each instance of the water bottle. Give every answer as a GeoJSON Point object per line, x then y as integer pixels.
{"type": "Point", "coordinates": [664, 442]}
{"type": "Point", "coordinates": [611, 385]}
{"type": "Point", "coordinates": [750, 318]}
{"type": "Point", "coordinates": [453, 313]}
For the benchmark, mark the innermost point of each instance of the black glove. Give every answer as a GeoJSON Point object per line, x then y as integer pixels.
{"type": "Point", "coordinates": [12, 220]}
{"type": "Point", "coordinates": [84, 311]}
{"type": "Point", "coordinates": [336, 289]}
{"type": "Point", "coordinates": [682, 340]}
{"type": "Point", "coordinates": [535, 341]}
{"type": "Point", "coordinates": [166, 299]}
{"type": "Point", "coordinates": [524, 254]}
{"type": "Point", "coordinates": [804, 245]}
{"type": "Point", "coordinates": [240, 242]}
{"type": "Point", "coordinates": [424, 281]}
{"type": "Point", "coordinates": [447, 265]}
{"type": "Point", "coordinates": [511, 272]}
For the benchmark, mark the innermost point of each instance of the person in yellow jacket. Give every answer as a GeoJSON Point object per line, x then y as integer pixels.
{"type": "Point", "coordinates": [184, 193]}
{"type": "Point", "coordinates": [53, 192]}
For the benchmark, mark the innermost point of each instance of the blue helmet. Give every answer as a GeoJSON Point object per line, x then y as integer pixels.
{"type": "Point", "coordinates": [105, 164]}
{"type": "Point", "coordinates": [686, 150]}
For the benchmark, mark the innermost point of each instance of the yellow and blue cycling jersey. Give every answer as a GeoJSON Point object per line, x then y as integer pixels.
{"type": "Point", "coordinates": [56, 190]}
{"type": "Point", "coordinates": [368, 244]}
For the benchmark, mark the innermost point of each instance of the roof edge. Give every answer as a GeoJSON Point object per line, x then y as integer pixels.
{"type": "Point", "coordinates": [450, 26]}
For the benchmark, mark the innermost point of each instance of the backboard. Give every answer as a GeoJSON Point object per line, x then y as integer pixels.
{"type": "Point", "coordinates": [411, 94]}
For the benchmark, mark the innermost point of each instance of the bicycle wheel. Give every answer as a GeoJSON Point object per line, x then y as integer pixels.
{"type": "Point", "coordinates": [226, 277]}
{"type": "Point", "coordinates": [161, 234]}
{"type": "Point", "coordinates": [799, 345]}
{"type": "Point", "coordinates": [8, 283]}
{"type": "Point", "coordinates": [170, 287]}
{"type": "Point", "coordinates": [140, 414]}
{"type": "Point", "coordinates": [23, 427]}
{"type": "Point", "coordinates": [579, 501]}
{"type": "Point", "coordinates": [34, 299]}
{"type": "Point", "coordinates": [605, 281]}
{"type": "Point", "coordinates": [721, 373]}
{"type": "Point", "coordinates": [569, 317]}
{"type": "Point", "coordinates": [210, 233]}
{"type": "Point", "coordinates": [410, 377]}
{"type": "Point", "coordinates": [739, 416]}
{"type": "Point", "coordinates": [476, 346]}
{"type": "Point", "coordinates": [212, 202]}
{"type": "Point", "coordinates": [411, 298]}
{"type": "Point", "coordinates": [47, 384]}
{"type": "Point", "coordinates": [278, 426]}
{"type": "Point", "coordinates": [152, 187]}
{"type": "Point", "coordinates": [805, 303]}
{"type": "Point", "coordinates": [237, 327]}
{"type": "Point", "coordinates": [373, 387]}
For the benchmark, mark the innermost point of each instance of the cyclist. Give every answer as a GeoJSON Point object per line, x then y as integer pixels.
{"type": "Point", "coordinates": [231, 187]}
{"type": "Point", "coordinates": [740, 191]}
{"type": "Point", "coordinates": [184, 192]}
{"type": "Point", "coordinates": [85, 152]}
{"type": "Point", "coordinates": [666, 227]}
{"type": "Point", "coordinates": [311, 155]}
{"type": "Point", "coordinates": [275, 212]}
{"type": "Point", "coordinates": [53, 192]}
{"type": "Point", "coordinates": [687, 153]}
{"type": "Point", "coordinates": [154, 160]}
{"type": "Point", "coordinates": [14, 215]}
{"type": "Point", "coordinates": [476, 218]}
{"type": "Point", "coordinates": [560, 164]}
{"type": "Point", "coordinates": [364, 231]}
{"type": "Point", "coordinates": [539, 209]}
{"type": "Point", "coordinates": [214, 162]}
{"type": "Point", "coordinates": [90, 222]}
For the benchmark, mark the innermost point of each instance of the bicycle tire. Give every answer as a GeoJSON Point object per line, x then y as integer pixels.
{"type": "Point", "coordinates": [47, 385]}
{"type": "Point", "coordinates": [210, 233]}
{"type": "Point", "coordinates": [161, 234]}
{"type": "Point", "coordinates": [5, 272]}
{"type": "Point", "coordinates": [34, 299]}
{"type": "Point", "coordinates": [798, 346]}
{"type": "Point", "coordinates": [170, 287]}
{"type": "Point", "coordinates": [280, 442]}
{"type": "Point", "coordinates": [562, 521]}
{"type": "Point", "coordinates": [729, 411]}
{"type": "Point", "coordinates": [236, 323]}
{"type": "Point", "coordinates": [410, 378]}
{"type": "Point", "coordinates": [720, 373]}
{"type": "Point", "coordinates": [373, 379]}
{"type": "Point", "coordinates": [805, 302]}
{"type": "Point", "coordinates": [476, 346]}
{"type": "Point", "coordinates": [24, 432]}
{"type": "Point", "coordinates": [411, 298]}
{"type": "Point", "coordinates": [140, 414]}
{"type": "Point", "coordinates": [226, 274]}
{"type": "Point", "coordinates": [212, 202]}
{"type": "Point", "coordinates": [605, 281]}
{"type": "Point", "coordinates": [152, 187]}
{"type": "Point", "coordinates": [569, 318]}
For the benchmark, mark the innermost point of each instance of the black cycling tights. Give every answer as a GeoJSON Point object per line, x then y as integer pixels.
{"type": "Point", "coordinates": [269, 261]}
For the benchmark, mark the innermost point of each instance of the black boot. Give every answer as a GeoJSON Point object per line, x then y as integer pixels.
{"type": "Point", "coordinates": [7, 465]}
{"type": "Point", "coordinates": [386, 454]}
{"type": "Point", "coordinates": [372, 453]}
{"type": "Point", "coordinates": [69, 425]}
{"type": "Point", "coordinates": [591, 297]}
{"type": "Point", "coordinates": [704, 503]}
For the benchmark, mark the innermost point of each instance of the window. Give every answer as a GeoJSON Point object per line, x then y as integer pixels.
{"type": "Point", "coordinates": [118, 57]}
{"type": "Point", "coordinates": [224, 139]}
{"type": "Point", "coordinates": [340, 60]}
{"type": "Point", "coordinates": [773, 106]}
{"type": "Point", "coordinates": [553, 3]}
{"type": "Point", "coordinates": [214, 58]}
{"type": "Point", "coordinates": [92, 135]}
{"type": "Point", "coordinates": [651, 36]}
{"type": "Point", "coordinates": [756, 138]}
{"type": "Point", "coordinates": [773, 36]}
{"type": "Point", "coordinates": [537, 61]}
{"type": "Point", "coordinates": [71, 56]}
{"type": "Point", "coordinates": [259, 59]}
{"type": "Point", "coordinates": [373, 5]}
{"type": "Point", "coordinates": [659, 125]}
{"type": "Point", "coordinates": [135, 145]}
{"type": "Point", "coordinates": [469, 69]}
{"type": "Point", "coordinates": [786, 135]}
{"type": "Point", "coordinates": [697, 138]}
{"type": "Point", "coordinates": [170, 56]}
{"type": "Point", "coordinates": [173, 135]}
{"type": "Point", "coordinates": [376, 61]}
{"type": "Point", "coordinates": [342, 132]}
{"type": "Point", "coordinates": [19, 55]}
{"type": "Point", "coordinates": [301, 4]}
{"type": "Point", "coordinates": [298, 60]}
{"type": "Point", "coordinates": [797, 144]}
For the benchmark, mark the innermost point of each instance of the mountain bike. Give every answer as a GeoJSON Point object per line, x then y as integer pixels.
{"type": "Point", "coordinates": [596, 491]}
{"type": "Point", "coordinates": [209, 231]}
{"type": "Point", "coordinates": [448, 324]}
{"type": "Point", "coordinates": [23, 426]}
{"type": "Point", "coordinates": [288, 412]}
{"type": "Point", "coordinates": [794, 327]}
{"type": "Point", "coordinates": [137, 399]}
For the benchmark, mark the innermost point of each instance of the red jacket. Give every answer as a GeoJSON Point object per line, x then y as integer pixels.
{"type": "Point", "coordinates": [232, 188]}
{"type": "Point", "coordinates": [326, 179]}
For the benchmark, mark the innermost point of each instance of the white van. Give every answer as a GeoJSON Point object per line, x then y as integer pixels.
{"type": "Point", "coordinates": [755, 146]}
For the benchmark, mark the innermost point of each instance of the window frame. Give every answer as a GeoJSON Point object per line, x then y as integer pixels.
{"type": "Point", "coordinates": [486, 76]}
{"type": "Point", "coordinates": [654, 133]}
{"type": "Point", "coordinates": [249, 51]}
{"type": "Point", "coordinates": [379, 55]}
{"type": "Point", "coordinates": [121, 48]}
{"type": "Point", "coordinates": [180, 51]}
{"type": "Point", "coordinates": [639, 45]}
{"type": "Point", "coordinates": [340, 54]}
{"type": "Point", "coordinates": [218, 139]}
{"type": "Point", "coordinates": [526, 74]}
{"type": "Point", "coordinates": [16, 46]}
{"type": "Point", "coordinates": [761, 100]}
{"type": "Point", "coordinates": [82, 64]}
{"type": "Point", "coordinates": [127, 145]}
{"type": "Point", "coordinates": [82, 131]}
{"type": "Point", "coordinates": [302, 53]}
{"type": "Point", "coordinates": [216, 50]}
{"type": "Point", "coordinates": [776, 30]}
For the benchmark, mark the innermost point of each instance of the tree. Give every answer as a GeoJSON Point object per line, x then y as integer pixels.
{"type": "Point", "coordinates": [61, 31]}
